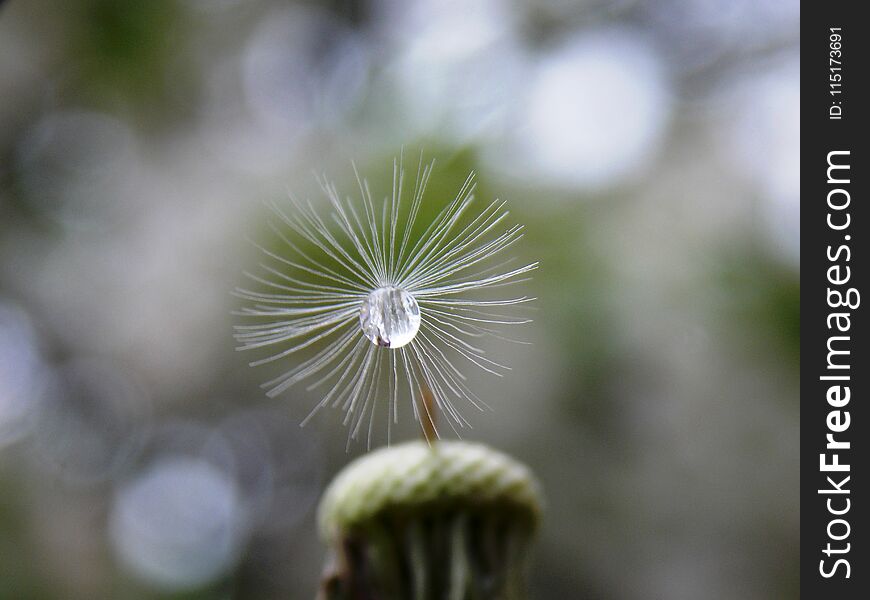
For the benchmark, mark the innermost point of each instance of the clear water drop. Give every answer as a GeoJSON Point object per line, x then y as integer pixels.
{"type": "Point", "coordinates": [390, 317]}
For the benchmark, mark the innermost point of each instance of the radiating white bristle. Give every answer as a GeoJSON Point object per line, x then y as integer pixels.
{"type": "Point", "coordinates": [367, 279]}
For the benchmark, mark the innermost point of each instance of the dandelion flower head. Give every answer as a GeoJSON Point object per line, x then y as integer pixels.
{"type": "Point", "coordinates": [384, 307]}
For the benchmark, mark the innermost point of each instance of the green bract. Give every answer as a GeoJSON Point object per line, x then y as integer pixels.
{"type": "Point", "coordinates": [415, 477]}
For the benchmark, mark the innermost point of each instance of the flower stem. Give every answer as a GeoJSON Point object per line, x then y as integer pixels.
{"type": "Point", "coordinates": [429, 416]}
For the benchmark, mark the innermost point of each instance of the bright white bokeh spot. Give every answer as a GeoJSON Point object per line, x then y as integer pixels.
{"type": "Point", "coordinates": [21, 368]}
{"type": "Point", "coordinates": [459, 65]}
{"type": "Point", "coordinates": [302, 66]}
{"type": "Point", "coordinates": [179, 524]}
{"type": "Point", "coordinates": [596, 112]}
{"type": "Point", "coordinates": [300, 73]}
{"type": "Point", "coordinates": [762, 141]}
{"type": "Point", "coordinates": [390, 317]}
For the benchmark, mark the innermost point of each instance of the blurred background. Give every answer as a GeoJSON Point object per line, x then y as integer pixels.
{"type": "Point", "coordinates": [651, 149]}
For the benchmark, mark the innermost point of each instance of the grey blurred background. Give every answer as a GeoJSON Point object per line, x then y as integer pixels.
{"type": "Point", "coordinates": [651, 149]}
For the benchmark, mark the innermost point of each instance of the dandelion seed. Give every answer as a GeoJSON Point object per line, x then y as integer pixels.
{"type": "Point", "coordinates": [394, 312]}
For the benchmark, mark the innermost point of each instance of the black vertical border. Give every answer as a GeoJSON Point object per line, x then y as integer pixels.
{"type": "Point", "coordinates": [819, 136]}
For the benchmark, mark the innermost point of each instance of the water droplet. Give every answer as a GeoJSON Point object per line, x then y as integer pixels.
{"type": "Point", "coordinates": [390, 317]}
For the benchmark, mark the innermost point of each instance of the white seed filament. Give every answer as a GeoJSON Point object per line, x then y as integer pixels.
{"type": "Point", "coordinates": [379, 268]}
{"type": "Point", "coordinates": [390, 317]}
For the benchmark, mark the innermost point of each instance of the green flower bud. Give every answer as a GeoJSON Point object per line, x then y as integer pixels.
{"type": "Point", "coordinates": [452, 521]}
